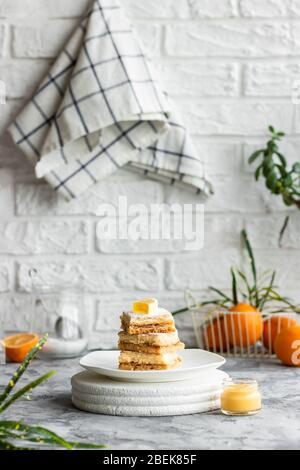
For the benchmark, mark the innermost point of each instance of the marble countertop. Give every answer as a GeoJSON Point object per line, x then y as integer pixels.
{"type": "Point", "coordinates": [276, 427]}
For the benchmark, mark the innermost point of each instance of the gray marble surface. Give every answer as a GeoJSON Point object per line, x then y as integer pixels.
{"type": "Point", "coordinates": [276, 427]}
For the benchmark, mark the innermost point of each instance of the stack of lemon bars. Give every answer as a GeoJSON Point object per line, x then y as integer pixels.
{"type": "Point", "coordinates": [148, 339]}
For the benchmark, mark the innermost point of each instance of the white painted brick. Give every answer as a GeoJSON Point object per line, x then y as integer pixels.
{"type": "Point", "coordinates": [44, 8]}
{"type": "Point", "coordinates": [222, 231]}
{"type": "Point", "coordinates": [3, 33]}
{"type": "Point", "coordinates": [9, 152]}
{"type": "Point", "coordinates": [236, 118]}
{"type": "Point", "coordinates": [157, 9]}
{"type": "Point", "coordinates": [212, 8]}
{"type": "Point", "coordinates": [35, 199]}
{"type": "Point", "coordinates": [263, 231]}
{"type": "Point", "coordinates": [192, 78]}
{"type": "Point", "coordinates": [294, 295]}
{"type": "Point", "coordinates": [236, 194]}
{"type": "Point", "coordinates": [6, 194]}
{"type": "Point", "coordinates": [139, 246]}
{"type": "Point", "coordinates": [286, 265]}
{"type": "Point", "coordinates": [44, 237]}
{"type": "Point", "coordinates": [180, 8]}
{"type": "Point", "coordinates": [12, 158]}
{"type": "Point", "coordinates": [231, 195]}
{"type": "Point", "coordinates": [296, 119]}
{"type": "Point", "coordinates": [221, 158]}
{"type": "Point", "coordinates": [5, 276]}
{"type": "Point", "coordinates": [270, 8]}
{"type": "Point", "coordinates": [291, 238]}
{"type": "Point", "coordinates": [106, 275]}
{"type": "Point", "coordinates": [22, 77]}
{"type": "Point", "coordinates": [17, 311]}
{"type": "Point", "coordinates": [44, 39]}
{"type": "Point", "coordinates": [149, 36]}
{"type": "Point", "coordinates": [209, 267]}
{"type": "Point", "coordinates": [233, 39]}
{"type": "Point", "coordinates": [271, 79]}
{"type": "Point", "coordinates": [7, 113]}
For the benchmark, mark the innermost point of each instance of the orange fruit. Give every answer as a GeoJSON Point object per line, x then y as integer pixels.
{"type": "Point", "coordinates": [18, 346]}
{"type": "Point", "coordinates": [215, 336]}
{"type": "Point", "coordinates": [244, 325]}
{"type": "Point", "coordinates": [287, 346]}
{"type": "Point", "coordinates": [273, 326]}
{"type": "Point", "coordinates": [247, 308]}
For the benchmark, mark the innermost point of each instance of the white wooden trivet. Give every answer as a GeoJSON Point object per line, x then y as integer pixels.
{"type": "Point", "coordinates": [99, 394]}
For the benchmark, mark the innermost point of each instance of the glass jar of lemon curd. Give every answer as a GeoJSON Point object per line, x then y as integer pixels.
{"type": "Point", "coordinates": [241, 397]}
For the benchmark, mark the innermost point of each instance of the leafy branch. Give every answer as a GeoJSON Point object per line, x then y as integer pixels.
{"type": "Point", "coordinates": [13, 431]}
{"type": "Point", "coordinates": [280, 179]}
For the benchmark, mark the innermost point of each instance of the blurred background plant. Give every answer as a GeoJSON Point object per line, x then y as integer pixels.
{"type": "Point", "coordinates": [32, 437]}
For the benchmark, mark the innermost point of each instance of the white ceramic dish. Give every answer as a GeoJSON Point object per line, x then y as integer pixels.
{"type": "Point", "coordinates": [196, 362]}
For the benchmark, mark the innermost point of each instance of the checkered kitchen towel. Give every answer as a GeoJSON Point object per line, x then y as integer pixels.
{"type": "Point", "coordinates": [99, 109]}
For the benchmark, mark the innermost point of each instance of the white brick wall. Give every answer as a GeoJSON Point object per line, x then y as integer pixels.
{"type": "Point", "coordinates": [229, 64]}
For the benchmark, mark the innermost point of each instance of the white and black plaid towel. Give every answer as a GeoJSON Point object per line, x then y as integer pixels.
{"type": "Point", "coordinates": [99, 109]}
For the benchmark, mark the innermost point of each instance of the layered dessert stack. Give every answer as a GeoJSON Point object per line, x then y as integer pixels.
{"type": "Point", "coordinates": [148, 339]}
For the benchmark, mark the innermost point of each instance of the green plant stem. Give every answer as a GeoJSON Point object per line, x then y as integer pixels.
{"type": "Point", "coordinates": [26, 389]}
{"type": "Point", "coordinates": [22, 368]}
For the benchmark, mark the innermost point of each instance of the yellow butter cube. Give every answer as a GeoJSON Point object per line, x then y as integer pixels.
{"type": "Point", "coordinates": [146, 306]}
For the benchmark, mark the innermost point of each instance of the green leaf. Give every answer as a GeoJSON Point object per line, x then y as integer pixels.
{"type": "Point", "coordinates": [252, 262]}
{"type": "Point", "coordinates": [288, 181]}
{"type": "Point", "coordinates": [268, 290]}
{"type": "Point", "coordinates": [271, 129]}
{"type": "Point", "coordinates": [282, 159]}
{"type": "Point", "coordinates": [255, 155]}
{"type": "Point", "coordinates": [25, 390]}
{"type": "Point", "coordinates": [258, 172]}
{"type": "Point", "coordinates": [221, 294]}
{"type": "Point", "coordinates": [38, 434]}
{"type": "Point", "coordinates": [249, 289]}
{"type": "Point", "coordinates": [234, 288]}
{"type": "Point", "coordinates": [7, 446]}
{"type": "Point", "coordinates": [281, 134]}
{"type": "Point", "coordinates": [271, 181]}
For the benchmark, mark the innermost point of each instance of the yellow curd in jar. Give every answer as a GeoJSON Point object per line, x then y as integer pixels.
{"type": "Point", "coordinates": [241, 398]}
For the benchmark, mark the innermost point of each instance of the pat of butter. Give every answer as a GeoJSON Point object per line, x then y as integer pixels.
{"type": "Point", "coordinates": [146, 306]}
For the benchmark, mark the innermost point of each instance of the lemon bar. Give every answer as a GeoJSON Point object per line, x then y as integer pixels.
{"type": "Point", "coordinates": [146, 348]}
{"type": "Point", "coordinates": [160, 322]}
{"type": "Point", "coordinates": [152, 339]}
{"type": "Point", "coordinates": [155, 343]}
{"type": "Point", "coordinates": [130, 360]}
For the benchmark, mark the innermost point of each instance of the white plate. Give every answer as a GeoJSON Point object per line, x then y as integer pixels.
{"type": "Point", "coordinates": [195, 362]}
